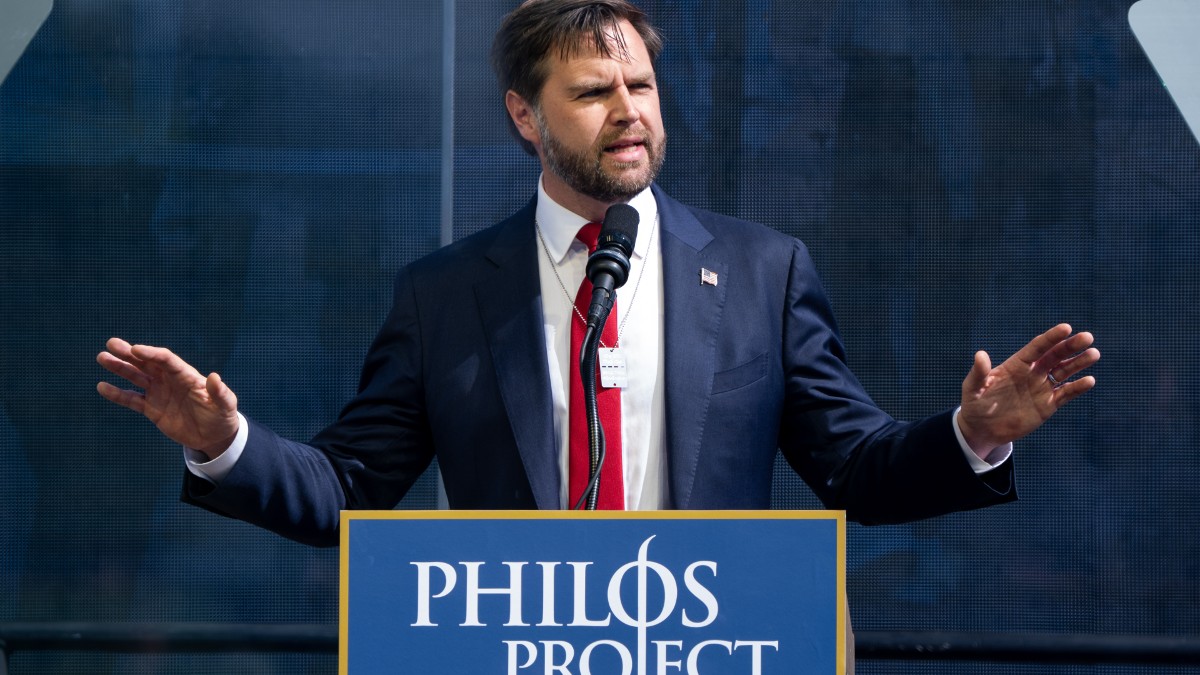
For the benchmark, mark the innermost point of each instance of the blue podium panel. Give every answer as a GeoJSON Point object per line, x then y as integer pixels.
{"type": "Point", "coordinates": [609, 593]}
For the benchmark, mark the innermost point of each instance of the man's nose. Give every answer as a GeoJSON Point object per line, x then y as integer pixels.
{"type": "Point", "coordinates": [624, 110]}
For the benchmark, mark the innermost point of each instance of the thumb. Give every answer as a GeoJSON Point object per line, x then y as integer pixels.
{"type": "Point", "coordinates": [220, 394]}
{"type": "Point", "coordinates": [977, 378]}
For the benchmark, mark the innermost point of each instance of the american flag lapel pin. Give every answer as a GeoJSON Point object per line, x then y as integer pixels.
{"type": "Point", "coordinates": [708, 276]}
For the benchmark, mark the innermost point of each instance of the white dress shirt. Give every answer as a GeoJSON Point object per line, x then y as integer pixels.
{"type": "Point", "coordinates": [562, 257]}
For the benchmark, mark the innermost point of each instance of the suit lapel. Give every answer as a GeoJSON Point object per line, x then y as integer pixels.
{"type": "Point", "coordinates": [511, 311]}
{"type": "Point", "coordinates": [510, 307]}
{"type": "Point", "coordinates": [692, 319]}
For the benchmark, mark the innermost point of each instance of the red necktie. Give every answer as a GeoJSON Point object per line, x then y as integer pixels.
{"type": "Point", "coordinates": [608, 403]}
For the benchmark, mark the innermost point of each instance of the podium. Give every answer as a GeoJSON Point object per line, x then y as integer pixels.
{"type": "Point", "coordinates": [592, 593]}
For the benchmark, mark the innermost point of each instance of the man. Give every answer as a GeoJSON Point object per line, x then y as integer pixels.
{"type": "Point", "coordinates": [728, 340]}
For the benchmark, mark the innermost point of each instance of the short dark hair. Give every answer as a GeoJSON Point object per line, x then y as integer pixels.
{"type": "Point", "coordinates": [529, 34]}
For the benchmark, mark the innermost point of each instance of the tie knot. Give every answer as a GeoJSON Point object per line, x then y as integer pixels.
{"type": "Point", "coordinates": [590, 235]}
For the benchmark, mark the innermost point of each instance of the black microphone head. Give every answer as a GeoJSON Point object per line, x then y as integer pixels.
{"type": "Point", "coordinates": [608, 266]}
{"type": "Point", "coordinates": [620, 228]}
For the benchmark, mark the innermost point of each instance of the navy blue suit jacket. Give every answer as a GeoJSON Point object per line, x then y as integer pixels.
{"type": "Point", "coordinates": [753, 366]}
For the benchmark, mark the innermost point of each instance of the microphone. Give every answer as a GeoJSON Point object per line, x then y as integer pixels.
{"type": "Point", "coordinates": [608, 267]}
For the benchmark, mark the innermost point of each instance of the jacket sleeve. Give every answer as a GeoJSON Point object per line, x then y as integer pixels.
{"type": "Point", "coordinates": [367, 459]}
{"type": "Point", "coordinates": [852, 454]}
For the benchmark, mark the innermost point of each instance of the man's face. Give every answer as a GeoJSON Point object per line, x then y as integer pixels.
{"type": "Point", "coordinates": [597, 128]}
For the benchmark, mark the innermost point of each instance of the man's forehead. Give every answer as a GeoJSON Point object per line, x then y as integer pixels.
{"type": "Point", "coordinates": [619, 43]}
{"type": "Point", "coordinates": [585, 72]}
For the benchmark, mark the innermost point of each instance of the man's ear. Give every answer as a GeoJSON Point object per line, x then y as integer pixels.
{"type": "Point", "coordinates": [522, 116]}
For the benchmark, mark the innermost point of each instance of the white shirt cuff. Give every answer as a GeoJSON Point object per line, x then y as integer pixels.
{"type": "Point", "coordinates": [215, 470]}
{"type": "Point", "coordinates": [998, 457]}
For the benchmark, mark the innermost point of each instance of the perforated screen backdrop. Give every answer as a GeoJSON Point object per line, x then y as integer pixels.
{"type": "Point", "coordinates": [240, 181]}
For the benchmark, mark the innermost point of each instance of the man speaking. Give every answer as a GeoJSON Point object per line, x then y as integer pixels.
{"type": "Point", "coordinates": [722, 337]}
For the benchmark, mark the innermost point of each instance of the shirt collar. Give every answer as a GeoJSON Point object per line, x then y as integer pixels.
{"type": "Point", "coordinates": [559, 225]}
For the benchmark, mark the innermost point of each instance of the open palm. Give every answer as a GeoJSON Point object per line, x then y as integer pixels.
{"type": "Point", "coordinates": [196, 411]}
{"type": "Point", "coordinates": [1005, 403]}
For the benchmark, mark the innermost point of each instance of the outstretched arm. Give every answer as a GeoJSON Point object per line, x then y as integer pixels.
{"type": "Point", "coordinates": [1005, 403]}
{"type": "Point", "coordinates": [193, 410]}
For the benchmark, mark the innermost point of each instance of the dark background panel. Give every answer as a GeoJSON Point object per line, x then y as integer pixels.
{"type": "Point", "coordinates": [241, 180]}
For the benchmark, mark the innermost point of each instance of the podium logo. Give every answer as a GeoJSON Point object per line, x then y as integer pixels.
{"type": "Point", "coordinates": [454, 590]}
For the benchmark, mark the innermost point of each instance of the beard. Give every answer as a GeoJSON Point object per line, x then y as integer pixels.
{"type": "Point", "coordinates": [584, 171]}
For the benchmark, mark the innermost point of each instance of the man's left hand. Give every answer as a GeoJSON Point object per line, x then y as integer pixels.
{"type": "Point", "coordinates": [1003, 404]}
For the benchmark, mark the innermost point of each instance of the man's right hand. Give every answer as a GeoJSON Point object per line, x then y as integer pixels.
{"type": "Point", "coordinates": [192, 410]}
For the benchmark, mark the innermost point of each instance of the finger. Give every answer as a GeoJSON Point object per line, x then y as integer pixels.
{"type": "Point", "coordinates": [1040, 345]}
{"type": "Point", "coordinates": [1072, 390]}
{"type": "Point", "coordinates": [162, 361]}
{"type": "Point", "coordinates": [123, 397]}
{"type": "Point", "coordinates": [980, 368]}
{"type": "Point", "coordinates": [220, 394]}
{"type": "Point", "coordinates": [118, 346]}
{"type": "Point", "coordinates": [1064, 351]}
{"type": "Point", "coordinates": [1068, 368]}
{"type": "Point", "coordinates": [122, 350]}
{"type": "Point", "coordinates": [124, 369]}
